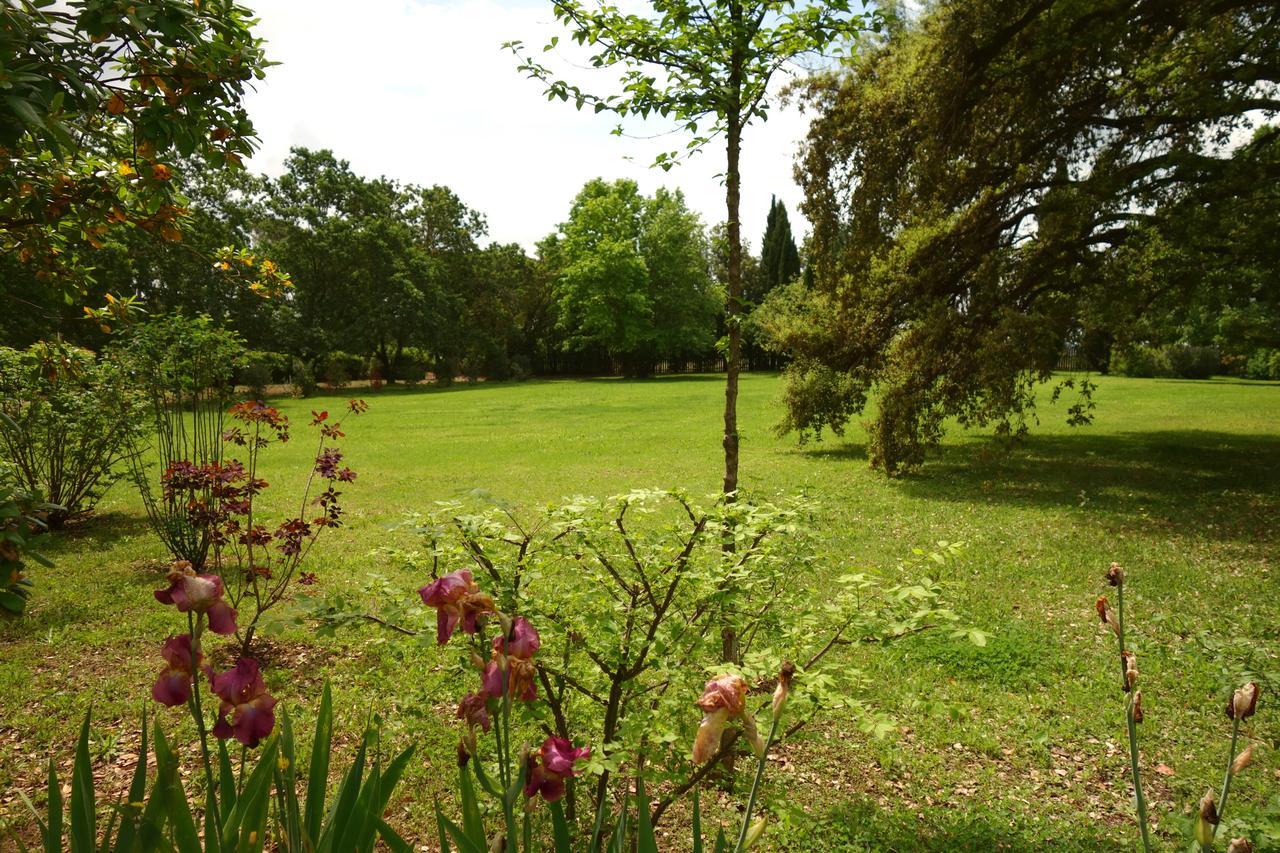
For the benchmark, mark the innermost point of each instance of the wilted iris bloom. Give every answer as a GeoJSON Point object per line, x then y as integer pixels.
{"type": "Point", "coordinates": [514, 657]}
{"type": "Point", "coordinates": [547, 768]}
{"type": "Point", "coordinates": [198, 593]}
{"type": "Point", "coordinates": [456, 599]}
{"type": "Point", "coordinates": [1106, 614]}
{"type": "Point", "coordinates": [1243, 702]}
{"type": "Point", "coordinates": [1207, 819]}
{"type": "Point", "coordinates": [173, 687]}
{"type": "Point", "coordinates": [474, 709]}
{"type": "Point", "coordinates": [723, 699]}
{"type": "Point", "coordinates": [245, 698]}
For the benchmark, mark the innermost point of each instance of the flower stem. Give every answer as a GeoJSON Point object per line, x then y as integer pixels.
{"type": "Point", "coordinates": [1139, 799]}
{"type": "Point", "coordinates": [755, 785]}
{"type": "Point", "coordinates": [197, 713]}
{"type": "Point", "coordinates": [1227, 776]}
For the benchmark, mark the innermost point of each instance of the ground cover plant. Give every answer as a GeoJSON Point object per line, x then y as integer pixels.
{"type": "Point", "coordinates": [960, 747]}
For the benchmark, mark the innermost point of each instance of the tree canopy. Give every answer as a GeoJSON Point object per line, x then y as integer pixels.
{"type": "Point", "coordinates": [99, 100]}
{"type": "Point", "coordinates": [632, 276]}
{"type": "Point", "coordinates": [976, 180]}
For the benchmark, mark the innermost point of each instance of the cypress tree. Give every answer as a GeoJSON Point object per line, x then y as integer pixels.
{"type": "Point", "coordinates": [779, 258]}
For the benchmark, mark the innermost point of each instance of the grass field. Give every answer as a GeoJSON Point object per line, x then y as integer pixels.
{"type": "Point", "coordinates": [1018, 745]}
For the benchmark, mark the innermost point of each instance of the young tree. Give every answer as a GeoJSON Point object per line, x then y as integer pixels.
{"type": "Point", "coordinates": [707, 65]}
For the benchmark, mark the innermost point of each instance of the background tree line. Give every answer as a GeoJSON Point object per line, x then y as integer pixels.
{"type": "Point", "coordinates": [395, 280]}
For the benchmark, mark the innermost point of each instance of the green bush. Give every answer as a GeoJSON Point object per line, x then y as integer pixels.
{"type": "Point", "coordinates": [68, 418]}
{"type": "Point", "coordinates": [258, 369]}
{"type": "Point", "coordinates": [339, 368]}
{"type": "Point", "coordinates": [185, 368]}
{"type": "Point", "coordinates": [411, 366]}
{"type": "Point", "coordinates": [1182, 361]}
{"type": "Point", "coordinates": [1191, 362]}
{"type": "Point", "coordinates": [302, 379]}
{"type": "Point", "coordinates": [1263, 363]}
{"type": "Point", "coordinates": [20, 522]}
{"type": "Point", "coordinates": [1139, 361]}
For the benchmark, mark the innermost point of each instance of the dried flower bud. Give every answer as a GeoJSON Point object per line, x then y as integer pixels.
{"type": "Point", "coordinates": [1130, 670]}
{"type": "Point", "coordinates": [1207, 819]}
{"type": "Point", "coordinates": [1115, 575]}
{"type": "Point", "coordinates": [1243, 702]}
{"type": "Point", "coordinates": [754, 833]}
{"type": "Point", "coordinates": [477, 661]}
{"type": "Point", "coordinates": [464, 755]}
{"type": "Point", "coordinates": [1137, 706]}
{"type": "Point", "coordinates": [783, 690]}
{"type": "Point", "coordinates": [1243, 760]}
{"type": "Point", "coordinates": [1240, 845]}
{"type": "Point", "coordinates": [1105, 613]}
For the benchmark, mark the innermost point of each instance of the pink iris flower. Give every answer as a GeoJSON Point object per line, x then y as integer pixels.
{"type": "Point", "coordinates": [550, 766]}
{"type": "Point", "coordinates": [723, 699]}
{"type": "Point", "coordinates": [514, 657]}
{"type": "Point", "coordinates": [198, 593]}
{"type": "Point", "coordinates": [457, 600]}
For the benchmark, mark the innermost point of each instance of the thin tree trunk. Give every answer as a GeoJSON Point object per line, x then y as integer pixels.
{"type": "Point", "coordinates": [733, 306]}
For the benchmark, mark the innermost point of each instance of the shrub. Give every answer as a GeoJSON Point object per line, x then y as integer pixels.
{"type": "Point", "coordinates": [340, 368]}
{"type": "Point", "coordinates": [1182, 361]}
{"type": "Point", "coordinates": [1191, 362]}
{"type": "Point", "coordinates": [185, 369]}
{"type": "Point", "coordinates": [20, 522]}
{"type": "Point", "coordinates": [638, 602]}
{"type": "Point", "coordinates": [411, 366]}
{"type": "Point", "coordinates": [255, 563]}
{"type": "Point", "coordinates": [302, 379]}
{"type": "Point", "coordinates": [69, 417]}
{"type": "Point", "coordinates": [258, 369]}
{"type": "Point", "coordinates": [1263, 363]}
{"type": "Point", "coordinates": [1137, 360]}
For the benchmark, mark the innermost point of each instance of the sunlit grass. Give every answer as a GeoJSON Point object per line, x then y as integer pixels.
{"type": "Point", "coordinates": [1019, 743]}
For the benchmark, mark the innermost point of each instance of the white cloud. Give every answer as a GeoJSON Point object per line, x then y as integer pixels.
{"type": "Point", "coordinates": [424, 92]}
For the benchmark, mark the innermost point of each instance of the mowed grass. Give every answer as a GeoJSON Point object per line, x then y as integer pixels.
{"type": "Point", "coordinates": [1018, 745]}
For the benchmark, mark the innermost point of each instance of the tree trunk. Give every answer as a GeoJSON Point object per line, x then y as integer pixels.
{"type": "Point", "coordinates": [733, 308]}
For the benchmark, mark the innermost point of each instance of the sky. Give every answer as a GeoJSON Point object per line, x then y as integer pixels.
{"type": "Point", "coordinates": [424, 93]}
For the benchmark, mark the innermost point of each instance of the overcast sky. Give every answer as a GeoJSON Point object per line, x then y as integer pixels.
{"type": "Point", "coordinates": [423, 92]}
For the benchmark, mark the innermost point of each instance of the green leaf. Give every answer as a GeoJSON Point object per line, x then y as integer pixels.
{"type": "Point", "coordinates": [472, 824]}
{"type": "Point", "coordinates": [645, 840]}
{"type": "Point", "coordinates": [465, 844]}
{"type": "Point", "coordinates": [560, 829]}
{"type": "Point", "coordinates": [127, 840]}
{"type": "Point", "coordinates": [170, 799]}
{"type": "Point", "coordinates": [53, 832]}
{"type": "Point", "coordinates": [392, 838]}
{"type": "Point", "coordinates": [697, 825]}
{"type": "Point", "coordinates": [318, 771]}
{"type": "Point", "coordinates": [619, 842]}
{"type": "Point", "coordinates": [84, 834]}
{"type": "Point", "coordinates": [226, 784]}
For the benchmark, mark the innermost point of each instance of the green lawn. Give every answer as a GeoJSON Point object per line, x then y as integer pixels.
{"type": "Point", "coordinates": [1018, 745]}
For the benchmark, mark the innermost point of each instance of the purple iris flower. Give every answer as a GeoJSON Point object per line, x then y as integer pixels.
{"type": "Point", "coordinates": [245, 698]}
{"type": "Point", "coordinates": [173, 687]}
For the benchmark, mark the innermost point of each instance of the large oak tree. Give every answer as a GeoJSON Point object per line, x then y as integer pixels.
{"type": "Point", "coordinates": [974, 178]}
